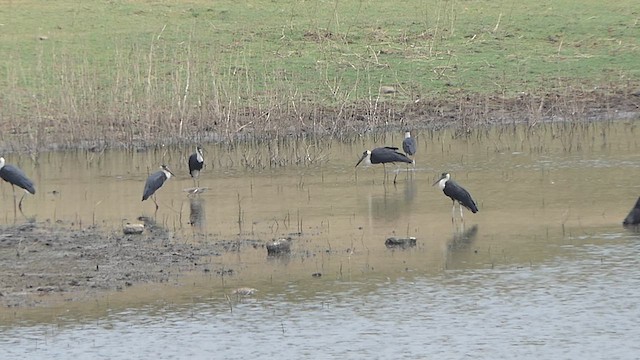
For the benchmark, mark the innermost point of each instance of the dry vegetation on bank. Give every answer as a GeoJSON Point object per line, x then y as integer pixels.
{"type": "Point", "coordinates": [130, 74]}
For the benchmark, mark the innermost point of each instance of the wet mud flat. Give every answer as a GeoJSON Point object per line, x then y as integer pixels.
{"type": "Point", "coordinates": [45, 262]}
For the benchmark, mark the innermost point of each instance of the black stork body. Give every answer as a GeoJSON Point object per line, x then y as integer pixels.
{"type": "Point", "coordinates": [155, 181]}
{"type": "Point", "coordinates": [633, 219]}
{"type": "Point", "coordinates": [456, 193]}
{"type": "Point", "coordinates": [409, 144]}
{"type": "Point", "coordinates": [196, 162]}
{"type": "Point", "coordinates": [16, 177]}
{"type": "Point", "coordinates": [384, 155]}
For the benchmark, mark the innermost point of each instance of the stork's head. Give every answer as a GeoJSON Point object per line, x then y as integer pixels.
{"type": "Point", "coordinates": [199, 154]}
{"type": "Point", "coordinates": [1, 162]}
{"type": "Point", "coordinates": [166, 171]}
{"type": "Point", "coordinates": [366, 156]}
{"type": "Point", "coordinates": [407, 134]}
{"type": "Point", "coordinates": [443, 180]}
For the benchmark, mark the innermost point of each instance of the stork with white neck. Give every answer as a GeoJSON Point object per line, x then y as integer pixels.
{"type": "Point", "coordinates": [456, 193]}
{"type": "Point", "coordinates": [196, 162]}
{"type": "Point", "coordinates": [155, 181]}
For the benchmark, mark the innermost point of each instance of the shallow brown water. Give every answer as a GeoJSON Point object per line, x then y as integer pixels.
{"type": "Point", "coordinates": [521, 179]}
{"type": "Point", "coordinates": [551, 203]}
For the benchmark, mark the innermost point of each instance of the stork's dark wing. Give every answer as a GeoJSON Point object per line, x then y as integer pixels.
{"type": "Point", "coordinates": [15, 176]}
{"type": "Point", "coordinates": [409, 146]}
{"type": "Point", "coordinates": [194, 164]}
{"type": "Point", "coordinates": [461, 195]}
{"type": "Point", "coordinates": [154, 182]}
{"type": "Point", "coordinates": [388, 155]}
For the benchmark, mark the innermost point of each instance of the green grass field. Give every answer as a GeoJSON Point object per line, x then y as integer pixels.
{"type": "Point", "coordinates": [121, 72]}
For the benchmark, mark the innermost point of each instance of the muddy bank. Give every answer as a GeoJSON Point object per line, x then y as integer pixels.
{"type": "Point", "coordinates": [43, 261]}
{"type": "Point", "coordinates": [392, 112]}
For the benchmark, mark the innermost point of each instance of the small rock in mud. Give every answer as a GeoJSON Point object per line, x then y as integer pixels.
{"type": "Point", "coordinates": [195, 190]}
{"type": "Point", "coordinates": [133, 229]}
{"type": "Point", "coordinates": [279, 247]}
{"type": "Point", "coordinates": [394, 242]}
{"type": "Point", "coordinates": [244, 291]}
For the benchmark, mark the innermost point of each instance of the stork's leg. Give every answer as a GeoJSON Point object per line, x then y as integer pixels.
{"type": "Point", "coordinates": [154, 201]}
{"type": "Point", "coordinates": [15, 213]}
{"type": "Point", "coordinates": [453, 210]}
{"type": "Point", "coordinates": [13, 188]}
{"type": "Point", "coordinates": [397, 172]}
{"type": "Point", "coordinates": [461, 216]}
{"type": "Point", "coordinates": [20, 202]}
{"type": "Point", "coordinates": [413, 166]}
{"type": "Point", "coordinates": [384, 170]}
{"type": "Point", "coordinates": [196, 178]}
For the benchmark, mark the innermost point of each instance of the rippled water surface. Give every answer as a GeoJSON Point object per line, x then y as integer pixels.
{"type": "Point", "coordinates": [544, 270]}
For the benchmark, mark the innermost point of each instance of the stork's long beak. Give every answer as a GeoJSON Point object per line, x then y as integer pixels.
{"type": "Point", "coordinates": [167, 168]}
{"type": "Point", "coordinates": [437, 181]}
{"type": "Point", "coordinates": [361, 158]}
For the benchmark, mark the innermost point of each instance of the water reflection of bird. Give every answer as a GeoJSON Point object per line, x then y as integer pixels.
{"type": "Point", "coordinates": [155, 181]}
{"type": "Point", "coordinates": [389, 206]}
{"type": "Point", "coordinates": [456, 193]}
{"type": "Point", "coordinates": [196, 162]}
{"type": "Point", "coordinates": [383, 155]}
{"type": "Point", "coordinates": [457, 255]}
{"type": "Point", "coordinates": [16, 177]}
{"type": "Point", "coordinates": [633, 219]}
{"type": "Point", "coordinates": [410, 191]}
{"type": "Point", "coordinates": [196, 212]}
{"type": "Point", "coordinates": [464, 239]}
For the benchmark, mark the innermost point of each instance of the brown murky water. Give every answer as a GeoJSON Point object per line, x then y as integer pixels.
{"type": "Point", "coordinates": [551, 202]}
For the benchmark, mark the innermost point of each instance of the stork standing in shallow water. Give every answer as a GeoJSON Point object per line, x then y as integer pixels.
{"type": "Point", "coordinates": [409, 146]}
{"type": "Point", "coordinates": [196, 162]}
{"type": "Point", "coordinates": [384, 155]}
{"type": "Point", "coordinates": [16, 177]}
{"type": "Point", "coordinates": [456, 193]}
{"type": "Point", "coordinates": [155, 181]}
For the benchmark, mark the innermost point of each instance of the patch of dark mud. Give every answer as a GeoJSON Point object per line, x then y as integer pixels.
{"type": "Point", "coordinates": [39, 259]}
